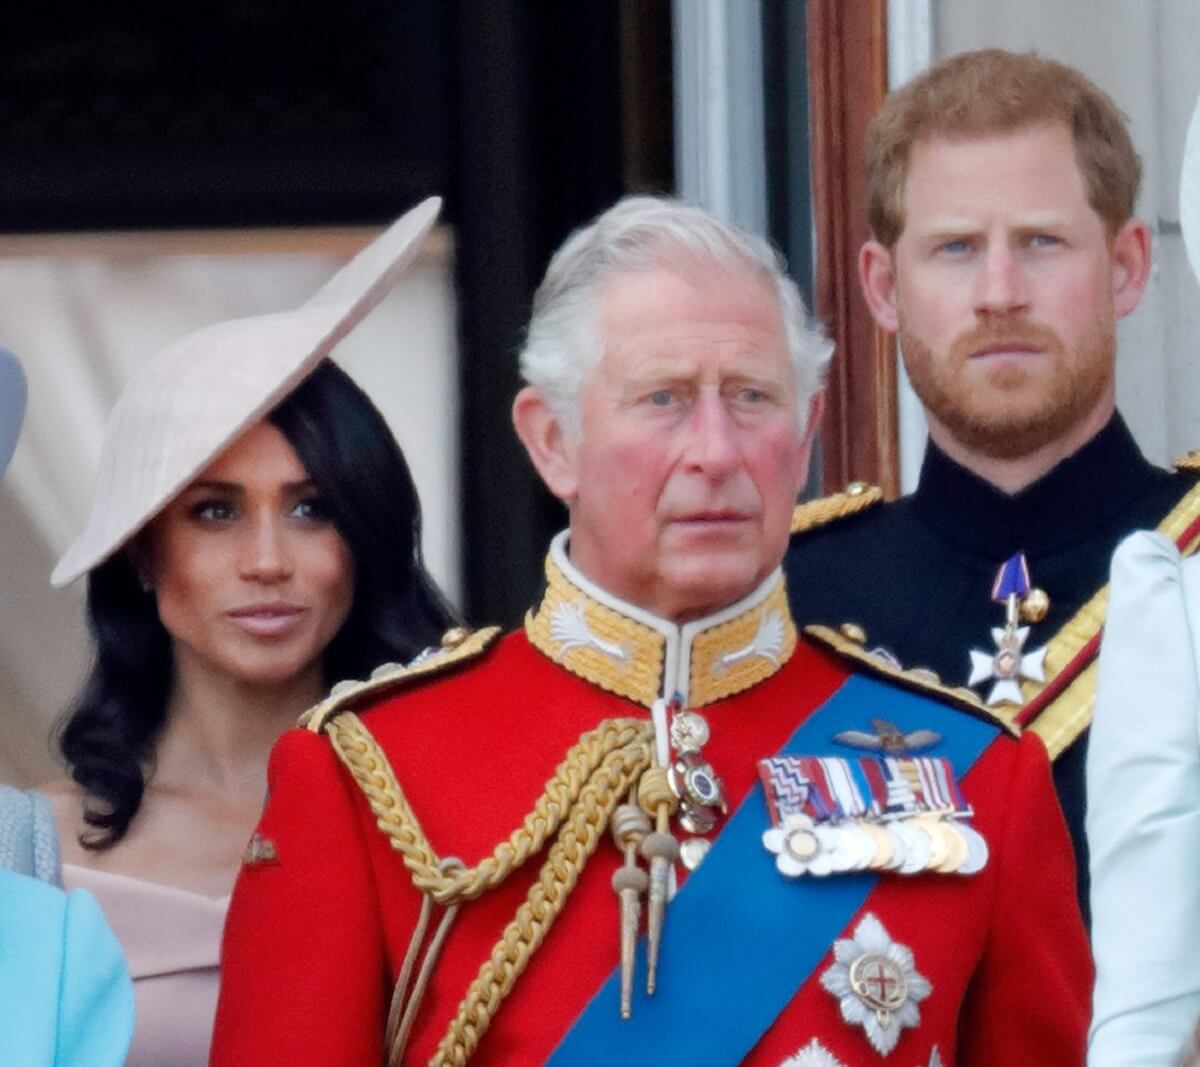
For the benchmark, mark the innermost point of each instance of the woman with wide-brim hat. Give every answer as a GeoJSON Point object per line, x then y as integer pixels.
{"type": "Point", "coordinates": [254, 538]}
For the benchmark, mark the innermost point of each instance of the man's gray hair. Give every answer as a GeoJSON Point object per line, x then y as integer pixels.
{"type": "Point", "coordinates": [565, 342]}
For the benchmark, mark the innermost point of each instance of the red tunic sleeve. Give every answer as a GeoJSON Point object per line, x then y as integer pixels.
{"type": "Point", "coordinates": [1030, 999]}
{"type": "Point", "coordinates": [303, 965]}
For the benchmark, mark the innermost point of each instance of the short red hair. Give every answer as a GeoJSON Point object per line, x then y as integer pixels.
{"type": "Point", "coordinates": [974, 94]}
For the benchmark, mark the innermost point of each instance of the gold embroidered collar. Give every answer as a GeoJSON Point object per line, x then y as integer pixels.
{"type": "Point", "coordinates": [637, 655]}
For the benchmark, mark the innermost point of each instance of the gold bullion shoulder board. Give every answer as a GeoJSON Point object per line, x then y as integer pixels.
{"type": "Point", "coordinates": [813, 514]}
{"type": "Point", "coordinates": [916, 679]}
{"type": "Point", "coordinates": [458, 646]}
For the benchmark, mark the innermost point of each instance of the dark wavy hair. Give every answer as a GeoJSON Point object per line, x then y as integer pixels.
{"type": "Point", "coordinates": [108, 736]}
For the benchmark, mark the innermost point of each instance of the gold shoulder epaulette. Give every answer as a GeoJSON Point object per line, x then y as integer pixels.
{"type": "Point", "coordinates": [813, 514]}
{"type": "Point", "coordinates": [1190, 462]}
{"type": "Point", "coordinates": [918, 679]}
{"type": "Point", "coordinates": [458, 645]}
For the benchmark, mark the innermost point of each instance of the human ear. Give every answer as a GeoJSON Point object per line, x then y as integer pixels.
{"type": "Point", "coordinates": [549, 448]}
{"type": "Point", "coordinates": [1130, 265]}
{"type": "Point", "coordinates": [816, 413]}
{"type": "Point", "coordinates": [877, 273]}
{"type": "Point", "coordinates": [140, 556]}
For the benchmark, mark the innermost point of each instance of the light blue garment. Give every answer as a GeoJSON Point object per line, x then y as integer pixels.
{"type": "Point", "coordinates": [12, 404]}
{"type": "Point", "coordinates": [28, 836]}
{"type": "Point", "coordinates": [1143, 818]}
{"type": "Point", "coordinates": [66, 999]}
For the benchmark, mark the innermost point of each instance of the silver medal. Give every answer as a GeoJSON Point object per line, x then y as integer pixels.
{"type": "Point", "coordinates": [917, 847]}
{"type": "Point", "coordinates": [977, 849]}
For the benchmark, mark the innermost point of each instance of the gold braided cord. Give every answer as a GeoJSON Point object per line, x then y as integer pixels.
{"type": "Point", "coordinates": [366, 761]}
{"type": "Point", "coordinates": [459, 647]}
{"type": "Point", "coordinates": [813, 514]}
{"type": "Point", "coordinates": [582, 830]}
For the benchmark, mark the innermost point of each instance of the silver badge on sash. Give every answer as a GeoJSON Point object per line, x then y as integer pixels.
{"type": "Point", "coordinates": [877, 984]}
{"type": "Point", "coordinates": [814, 1054]}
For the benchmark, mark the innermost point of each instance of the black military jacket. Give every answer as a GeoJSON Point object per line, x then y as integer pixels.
{"type": "Point", "coordinates": [917, 574]}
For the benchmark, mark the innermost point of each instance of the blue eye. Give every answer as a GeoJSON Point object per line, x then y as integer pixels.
{"type": "Point", "coordinates": [661, 398]}
{"type": "Point", "coordinates": [1044, 240]}
{"type": "Point", "coordinates": [956, 246]}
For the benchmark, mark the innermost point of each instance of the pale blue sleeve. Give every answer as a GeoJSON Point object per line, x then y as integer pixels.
{"type": "Point", "coordinates": [28, 837]}
{"type": "Point", "coordinates": [1143, 815]}
{"type": "Point", "coordinates": [95, 1011]}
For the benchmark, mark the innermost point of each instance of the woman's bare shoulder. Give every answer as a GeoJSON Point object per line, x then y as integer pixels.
{"type": "Point", "coordinates": [61, 792]}
{"type": "Point", "coordinates": [66, 801]}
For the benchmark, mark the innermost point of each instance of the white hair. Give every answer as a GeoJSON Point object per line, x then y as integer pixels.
{"type": "Point", "coordinates": [564, 343]}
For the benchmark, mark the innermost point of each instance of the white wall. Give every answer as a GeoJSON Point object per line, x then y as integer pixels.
{"type": "Point", "coordinates": [81, 313]}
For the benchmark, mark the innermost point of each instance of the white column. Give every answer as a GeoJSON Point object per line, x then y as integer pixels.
{"type": "Point", "coordinates": [720, 159]}
{"type": "Point", "coordinates": [910, 51]}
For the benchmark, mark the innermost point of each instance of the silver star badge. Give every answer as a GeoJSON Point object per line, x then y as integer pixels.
{"type": "Point", "coordinates": [876, 982]}
{"type": "Point", "coordinates": [1008, 665]}
{"type": "Point", "coordinates": [814, 1054]}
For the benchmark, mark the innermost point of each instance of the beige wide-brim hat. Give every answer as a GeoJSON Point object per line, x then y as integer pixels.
{"type": "Point", "coordinates": [188, 403]}
{"type": "Point", "coordinates": [1189, 193]}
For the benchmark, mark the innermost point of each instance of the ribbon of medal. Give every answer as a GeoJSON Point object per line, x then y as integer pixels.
{"type": "Point", "coordinates": [1010, 663]}
{"type": "Point", "coordinates": [901, 815]}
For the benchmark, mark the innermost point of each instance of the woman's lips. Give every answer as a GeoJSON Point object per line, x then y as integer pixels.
{"type": "Point", "coordinates": [266, 620]}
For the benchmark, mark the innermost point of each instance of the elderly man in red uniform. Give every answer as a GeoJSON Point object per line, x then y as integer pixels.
{"type": "Point", "coordinates": [658, 825]}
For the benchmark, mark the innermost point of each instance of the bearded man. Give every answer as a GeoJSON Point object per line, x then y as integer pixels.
{"type": "Point", "coordinates": [1001, 190]}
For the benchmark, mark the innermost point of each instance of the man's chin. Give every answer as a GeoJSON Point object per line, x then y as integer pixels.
{"type": "Point", "coordinates": [708, 585]}
{"type": "Point", "coordinates": [1007, 435]}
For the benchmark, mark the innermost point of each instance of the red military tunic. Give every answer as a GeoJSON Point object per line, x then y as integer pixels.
{"type": "Point", "coordinates": [322, 916]}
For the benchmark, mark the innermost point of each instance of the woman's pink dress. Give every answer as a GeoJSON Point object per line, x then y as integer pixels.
{"type": "Point", "coordinates": [172, 941]}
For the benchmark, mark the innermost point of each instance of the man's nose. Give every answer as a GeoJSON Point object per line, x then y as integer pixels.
{"type": "Point", "coordinates": [712, 447]}
{"type": "Point", "coordinates": [266, 556]}
{"type": "Point", "coordinates": [1001, 285]}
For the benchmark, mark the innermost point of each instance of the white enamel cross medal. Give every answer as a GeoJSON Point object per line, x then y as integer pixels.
{"type": "Point", "coordinates": [1010, 663]}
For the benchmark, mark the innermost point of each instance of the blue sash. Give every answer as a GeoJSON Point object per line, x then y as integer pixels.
{"type": "Point", "coordinates": [740, 939]}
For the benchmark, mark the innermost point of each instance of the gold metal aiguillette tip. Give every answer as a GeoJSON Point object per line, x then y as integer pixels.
{"type": "Point", "coordinates": [630, 826]}
{"type": "Point", "coordinates": [662, 850]}
{"type": "Point", "coordinates": [657, 800]}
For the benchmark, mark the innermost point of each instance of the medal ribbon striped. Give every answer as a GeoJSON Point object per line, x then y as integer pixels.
{"type": "Point", "coordinates": [738, 934]}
